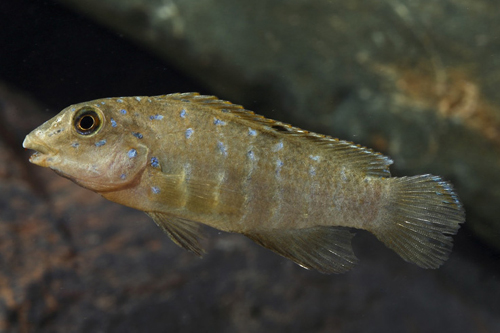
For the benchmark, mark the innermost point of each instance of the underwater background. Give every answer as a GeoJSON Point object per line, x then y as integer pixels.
{"type": "Point", "coordinates": [415, 80]}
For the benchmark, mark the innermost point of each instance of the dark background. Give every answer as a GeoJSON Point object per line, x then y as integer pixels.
{"type": "Point", "coordinates": [61, 58]}
{"type": "Point", "coordinates": [107, 268]}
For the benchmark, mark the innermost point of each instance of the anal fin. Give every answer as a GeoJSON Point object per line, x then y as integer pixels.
{"type": "Point", "coordinates": [325, 249]}
{"type": "Point", "coordinates": [184, 233]}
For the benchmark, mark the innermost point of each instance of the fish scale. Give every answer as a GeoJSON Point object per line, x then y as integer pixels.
{"type": "Point", "coordinates": [186, 159]}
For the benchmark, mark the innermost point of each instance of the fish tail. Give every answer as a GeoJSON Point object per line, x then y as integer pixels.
{"type": "Point", "coordinates": [423, 211]}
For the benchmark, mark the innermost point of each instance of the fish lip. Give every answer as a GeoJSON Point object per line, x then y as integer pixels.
{"type": "Point", "coordinates": [42, 155]}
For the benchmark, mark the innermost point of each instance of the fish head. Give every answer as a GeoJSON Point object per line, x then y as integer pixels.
{"type": "Point", "coordinates": [84, 144]}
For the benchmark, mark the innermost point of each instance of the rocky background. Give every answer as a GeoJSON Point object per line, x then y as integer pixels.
{"type": "Point", "coordinates": [416, 80]}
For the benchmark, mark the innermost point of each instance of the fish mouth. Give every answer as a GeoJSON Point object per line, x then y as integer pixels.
{"type": "Point", "coordinates": [42, 155]}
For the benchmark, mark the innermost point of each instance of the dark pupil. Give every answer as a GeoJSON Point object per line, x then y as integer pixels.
{"type": "Point", "coordinates": [86, 122]}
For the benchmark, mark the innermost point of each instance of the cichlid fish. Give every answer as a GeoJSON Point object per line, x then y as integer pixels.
{"type": "Point", "coordinates": [186, 159]}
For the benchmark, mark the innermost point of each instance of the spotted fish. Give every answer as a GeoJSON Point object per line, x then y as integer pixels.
{"type": "Point", "coordinates": [186, 159]}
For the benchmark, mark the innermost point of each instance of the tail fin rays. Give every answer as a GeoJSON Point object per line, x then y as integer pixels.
{"type": "Point", "coordinates": [422, 215]}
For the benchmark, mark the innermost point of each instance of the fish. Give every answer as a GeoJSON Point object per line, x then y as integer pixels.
{"type": "Point", "coordinates": [188, 160]}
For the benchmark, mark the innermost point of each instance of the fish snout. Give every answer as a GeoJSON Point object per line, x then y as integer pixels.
{"type": "Point", "coordinates": [43, 153]}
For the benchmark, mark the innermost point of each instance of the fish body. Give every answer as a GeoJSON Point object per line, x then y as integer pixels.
{"type": "Point", "coordinates": [187, 159]}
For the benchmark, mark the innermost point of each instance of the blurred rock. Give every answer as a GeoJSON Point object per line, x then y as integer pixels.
{"type": "Point", "coordinates": [413, 79]}
{"type": "Point", "coordinates": [72, 262]}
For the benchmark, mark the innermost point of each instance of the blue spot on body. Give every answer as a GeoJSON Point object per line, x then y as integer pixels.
{"type": "Point", "coordinates": [219, 122]}
{"type": "Point", "coordinates": [187, 171]}
{"type": "Point", "coordinates": [189, 133]}
{"type": "Point", "coordinates": [183, 113]}
{"type": "Point", "coordinates": [279, 164]}
{"type": "Point", "coordinates": [156, 117]}
{"type": "Point", "coordinates": [252, 132]}
{"type": "Point", "coordinates": [137, 135]}
{"type": "Point", "coordinates": [123, 111]}
{"type": "Point", "coordinates": [278, 146]}
{"type": "Point", "coordinates": [123, 176]}
{"type": "Point", "coordinates": [75, 145]}
{"type": "Point", "coordinates": [314, 158]}
{"type": "Point", "coordinates": [343, 175]}
{"type": "Point", "coordinates": [155, 189]}
{"type": "Point", "coordinates": [138, 99]}
{"type": "Point", "coordinates": [132, 153]}
{"type": "Point", "coordinates": [100, 143]}
{"type": "Point", "coordinates": [154, 162]}
{"type": "Point", "coordinates": [113, 122]}
{"type": "Point", "coordinates": [103, 103]}
{"type": "Point", "coordinates": [251, 155]}
{"type": "Point", "coordinates": [222, 148]}
{"type": "Point", "coordinates": [312, 171]}
{"type": "Point", "coordinates": [119, 100]}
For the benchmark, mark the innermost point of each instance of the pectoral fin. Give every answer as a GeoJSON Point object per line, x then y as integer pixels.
{"type": "Point", "coordinates": [184, 233]}
{"type": "Point", "coordinates": [325, 249]}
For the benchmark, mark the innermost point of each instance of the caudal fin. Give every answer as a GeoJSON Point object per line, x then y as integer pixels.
{"type": "Point", "coordinates": [422, 214]}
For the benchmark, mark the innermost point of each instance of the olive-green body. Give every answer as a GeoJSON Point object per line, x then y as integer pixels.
{"type": "Point", "coordinates": [186, 159]}
{"type": "Point", "coordinates": [236, 175]}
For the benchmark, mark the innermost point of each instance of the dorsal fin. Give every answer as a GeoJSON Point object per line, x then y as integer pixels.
{"type": "Point", "coordinates": [212, 101]}
{"type": "Point", "coordinates": [358, 157]}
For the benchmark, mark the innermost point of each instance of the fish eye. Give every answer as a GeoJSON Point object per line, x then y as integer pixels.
{"type": "Point", "coordinates": [87, 122]}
